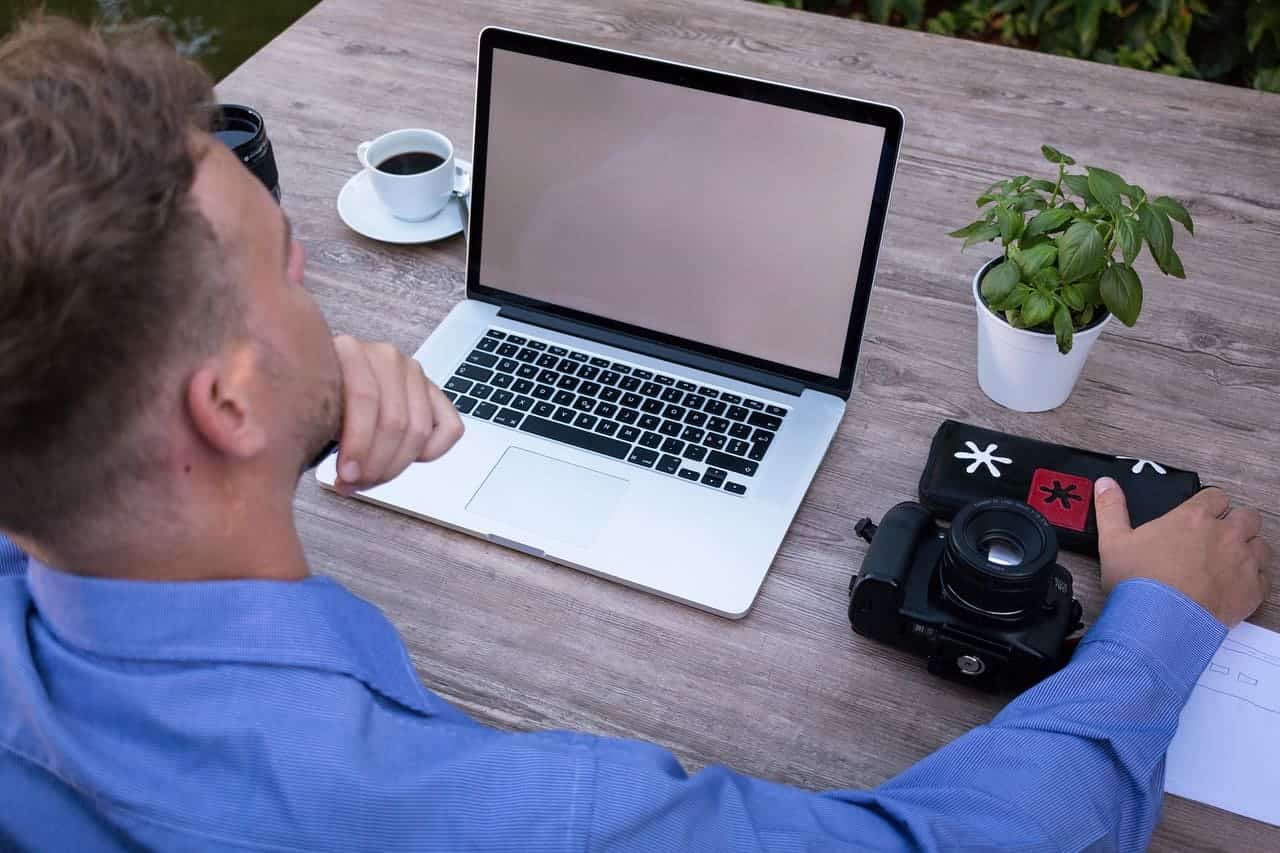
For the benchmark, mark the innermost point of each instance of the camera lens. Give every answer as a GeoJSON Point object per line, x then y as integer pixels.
{"type": "Point", "coordinates": [243, 131]}
{"type": "Point", "coordinates": [999, 559]}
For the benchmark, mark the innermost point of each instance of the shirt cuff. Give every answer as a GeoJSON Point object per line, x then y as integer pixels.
{"type": "Point", "coordinates": [1163, 625]}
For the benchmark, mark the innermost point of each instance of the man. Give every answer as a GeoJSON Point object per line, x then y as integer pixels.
{"type": "Point", "coordinates": [173, 677]}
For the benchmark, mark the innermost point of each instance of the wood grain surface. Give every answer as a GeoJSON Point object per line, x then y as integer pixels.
{"type": "Point", "coordinates": [789, 693]}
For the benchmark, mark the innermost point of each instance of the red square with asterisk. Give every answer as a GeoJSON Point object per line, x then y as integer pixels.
{"type": "Point", "coordinates": [1064, 499]}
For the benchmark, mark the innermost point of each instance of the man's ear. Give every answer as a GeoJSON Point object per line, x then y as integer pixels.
{"type": "Point", "coordinates": [221, 405]}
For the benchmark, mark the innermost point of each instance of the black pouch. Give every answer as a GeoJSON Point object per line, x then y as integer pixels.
{"type": "Point", "coordinates": [967, 463]}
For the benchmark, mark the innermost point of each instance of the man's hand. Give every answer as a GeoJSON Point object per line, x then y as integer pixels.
{"type": "Point", "coordinates": [1205, 549]}
{"type": "Point", "coordinates": [393, 415]}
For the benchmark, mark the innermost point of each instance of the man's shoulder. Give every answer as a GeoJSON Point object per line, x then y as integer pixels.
{"type": "Point", "coordinates": [12, 561]}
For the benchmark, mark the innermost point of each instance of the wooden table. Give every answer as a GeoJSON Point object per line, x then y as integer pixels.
{"type": "Point", "coordinates": [789, 693]}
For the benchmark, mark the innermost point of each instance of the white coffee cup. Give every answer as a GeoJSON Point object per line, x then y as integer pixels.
{"type": "Point", "coordinates": [420, 195]}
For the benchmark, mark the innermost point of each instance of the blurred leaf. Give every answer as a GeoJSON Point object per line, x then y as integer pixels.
{"type": "Point", "coordinates": [1011, 224]}
{"type": "Point", "coordinates": [1090, 290]}
{"type": "Point", "coordinates": [1037, 309]}
{"type": "Point", "coordinates": [1035, 259]}
{"type": "Point", "coordinates": [1053, 155]}
{"type": "Point", "coordinates": [1088, 14]}
{"type": "Point", "coordinates": [1080, 251]}
{"type": "Point", "coordinates": [1079, 184]}
{"type": "Point", "coordinates": [1073, 295]}
{"type": "Point", "coordinates": [1122, 293]}
{"type": "Point", "coordinates": [1043, 185]}
{"type": "Point", "coordinates": [1175, 211]}
{"type": "Point", "coordinates": [999, 282]}
{"type": "Point", "coordinates": [1155, 224]}
{"type": "Point", "coordinates": [969, 229]}
{"type": "Point", "coordinates": [1128, 238]}
{"type": "Point", "coordinates": [1263, 17]}
{"type": "Point", "coordinates": [1106, 187]}
{"type": "Point", "coordinates": [1047, 222]}
{"type": "Point", "coordinates": [1267, 79]}
{"type": "Point", "coordinates": [1062, 328]}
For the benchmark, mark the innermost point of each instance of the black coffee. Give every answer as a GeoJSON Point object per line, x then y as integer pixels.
{"type": "Point", "coordinates": [411, 163]}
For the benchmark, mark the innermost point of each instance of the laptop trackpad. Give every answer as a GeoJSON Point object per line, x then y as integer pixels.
{"type": "Point", "coordinates": [548, 497]}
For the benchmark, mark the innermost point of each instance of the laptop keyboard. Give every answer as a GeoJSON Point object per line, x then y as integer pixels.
{"type": "Point", "coordinates": [662, 422]}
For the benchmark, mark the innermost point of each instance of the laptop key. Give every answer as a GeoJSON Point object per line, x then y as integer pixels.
{"type": "Point", "coordinates": [708, 392]}
{"type": "Point", "coordinates": [735, 488]}
{"type": "Point", "coordinates": [484, 411]}
{"type": "Point", "coordinates": [600, 362]}
{"type": "Point", "coordinates": [564, 416]}
{"type": "Point", "coordinates": [762, 436]}
{"type": "Point", "coordinates": [451, 395]}
{"type": "Point", "coordinates": [503, 380]}
{"type": "Point", "coordinates": [579, 356]}
{"type": "Point", "coordinates": [776, 411]}
{"type": "Point", "coordinates": [628, 433]}
{"type": "Point", "coordinates": [487, 344]}
{"type": "Point", "coordinates": [457, 383]}
{"type": "Point", "coordinates": [713, 477]}
{"type": "Point", "coordinates": [649, 422]}
{"type": "Point", "coordinates": [714, 440]}
{"type": "Point", "coordinates": [640, 373]}
{"type": "Point", "coordinates": [547, 360]}
{"type": "Point", "coordinates": [718, 425]}
{"type": "Point", "coordinates": [628, 383]}
{"type": "Point", "coordinates": [508, 350]}
{"type": "Point", "coordinates": [527, 355]}
{"type": "Point", "coordinates": [568, 383]}
{"type": "Point", "coordinates": [689, 474]}
{"type": "Point", "coordinates": [715, 407]}
{"type": "Point", "coordinates": [738, 447]}
{"type": "Point", "coordinates": [508, 418]}
{"type": "Point", "coordinates": [671, 395]}
{"type": "Point", "coordinates": [481, 392]}
{"type": "Point", "coordinates": [543, 409]}
{"type": "Point", "coordinates": [610, 395]}
{"type": "Point", "coordinates": [670, 428]}
{"type": "Point", "coordinates": [543, 392]}
{"type": "Point", "coordinates": [608, 377]}
{"type": "Point", "coordinates": [754, 404]}
{"type": "Point", "coordinates": [585, 421]}
{"type": "Point", "coordinates": [538, 345]}
{"type": "Point", "coordinates": [740, 431]}
{"type": "Point", "coordinates": [672, 445]}
{"type": "Point", "coordinates": [695, 452]}
{"type": "Point", "coordinates": [588, 372]}
{"type": "Point", "coordinates": [522, 386]}
{"type": "Point", "coordinates": [471, 371]}
{"type": "Point", "coordinates": [616, 367]}
{"type": "Point", "coordinates": [692, 434]}
{"type": "Point", "coordinates": [527, 371]}
{"type": "Point", "coordinates": [589, 388]}
{"type": "Point", "coordinates": [757, 452]}
{"type": "Point", "coordinates": [561, 351]}
{"type": "Point", "coordinates": [606, 410]}
{"type": "Point", "coordinates": [674, 412]}
{"type": "Point", "coordinates": [516, 339]}
{"type": "Point", "coordinates": [771, 422]}
{"type": "Point", "coordinates": [632, 400]}
{"type": "Point", "coordinates": [686, 386]}
{"type": "Point", "coordinates": [522, 403]}
{"type": "Point", "coordinates": [607, 427]}
{"type": "Point", "coordinates": [568, 367]}
{"type": "Point", "coordinates": [641, 456]}
{"type": "Point", "coordinates": [736, 464]}
{"type": "Point", "coordinates": [732, 399]}
{"type": "Point", "coordinates": [494, 333]}
{"type": "Point", "coordinates": [737, 413]}
{"type": "Point", "coordinates": [651, 406]}
{"type": "Point", "coordinates": [669, 464]}
{"type": "Point", "coordinates": [693, 401]}
{"type": "Point", "coordinates": [501, 398]}
{"type": "Point", "coordinates": [627, 416]}
{"type": "Point", "coordinates": [465, 404]}
{"type": "Point", "coordinates": [651, 389]}
{"type": "Point", "coordinates": [650, 439]}
{"type": "Point", "coordinates": [508, 365]}
{"type": "Point", "coordinates": [584, 404]}
{"type": "Point", "coordinates": [664, 380]}
{"type": "Point", "coordinates": [696, 418]}
{"type": "Point", "coordinates": [548, 377]}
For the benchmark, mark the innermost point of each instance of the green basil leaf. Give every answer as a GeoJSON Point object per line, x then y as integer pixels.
{"type": "Point", "coordinates": [1011, 224]}
{"type": "Point", "coordinates": [1175, 211]}
{"type": "Point", "coordinates": [1018, 297]}
{"type": "Point", "coordinates": [1089, 290]}
{"type": "Point", "coordinates": [1053, 155]}
{"type": "Point", "coordinates": [1043, 185]}
{"type": "Point", "coordinates": [1062, 329]}
{"type": "Point", "coordinates": [1046, 222]}
{"type": "Point", "coordinates": [1155, 224]}
{"type": "Point", "coordinates": [1173, 265]}
{"type": "Point", "coordinates": [1047, 278]}
{"type": "Point", "coordinates": [1073, 295]}
{"type": "Point", "coordinates": [987, 198]}
{"type": "Point", "coordinates": [1081, 251]}
{"type": "Point", "coordinates": [1015, 318]}
{"type": "Point", "coordinates": [1037, 309]}
{"type": "Point", "coordinates": [1106, 187]}
{"type": "Point", "coordinates": [1136, 195]}
{"type": "Point", "coordinates": [1129, 239]}
{"type": "Point", "coordinates": [999, 282]}
{"type": "Point", "coordinates": [1086, 316]}
{"type": "Point", "coordinates": [988, 231]}
{"type": "Point", "coordinates": [969, 230]}
{"type": "Point", "coordinates": [1079, 184]}
{"type": "Point", "coordinates": [1122, 293]}
{"type": "Point", "coordinates": [1037, 258]}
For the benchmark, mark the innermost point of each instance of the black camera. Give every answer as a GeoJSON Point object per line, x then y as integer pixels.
{"type": "Point", "coordinates": [983, 600]}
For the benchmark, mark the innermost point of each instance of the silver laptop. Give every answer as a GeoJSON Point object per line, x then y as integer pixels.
{"type": "Point", "coordinates": [667, 278]}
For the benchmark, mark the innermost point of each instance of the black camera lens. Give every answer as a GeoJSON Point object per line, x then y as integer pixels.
{"type": "Point", "coordinates": [999, 559]}
{"type": "Point", "coordinates": [242, 130]}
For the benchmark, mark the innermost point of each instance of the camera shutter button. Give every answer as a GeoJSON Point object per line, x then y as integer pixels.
{"type": "Point", "coordinates": [971, 665]}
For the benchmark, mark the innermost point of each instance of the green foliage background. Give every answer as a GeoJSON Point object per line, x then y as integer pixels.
{"type": "Point", "coordinates": [1226, 41]}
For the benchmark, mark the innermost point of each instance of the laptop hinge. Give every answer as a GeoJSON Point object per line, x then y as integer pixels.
{"type": "Point", "coordinates": [654, 349]}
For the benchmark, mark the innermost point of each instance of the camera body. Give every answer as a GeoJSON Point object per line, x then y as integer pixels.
{"type": "Point", "coordinates": [984, 601]}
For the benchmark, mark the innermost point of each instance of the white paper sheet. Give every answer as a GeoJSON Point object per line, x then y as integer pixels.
{"type": "Point", "coordinates": [1227, 749]}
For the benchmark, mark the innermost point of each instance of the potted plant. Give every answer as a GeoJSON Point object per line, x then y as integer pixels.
{"type": "Point", "coordinates": [1067, 268]}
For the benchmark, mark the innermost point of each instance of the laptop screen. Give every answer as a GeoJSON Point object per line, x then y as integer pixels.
{"type": "Point", "coordinates": [730, 222]}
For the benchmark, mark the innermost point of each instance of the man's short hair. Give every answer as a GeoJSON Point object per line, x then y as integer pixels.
{"type": "Point", "coordinates": [110, 278]}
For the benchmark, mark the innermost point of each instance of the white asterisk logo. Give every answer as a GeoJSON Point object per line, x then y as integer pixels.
{"type": "Point", "coordinates": [1139, 464]}
{"type": "Point", "coordinates": [983, 457]}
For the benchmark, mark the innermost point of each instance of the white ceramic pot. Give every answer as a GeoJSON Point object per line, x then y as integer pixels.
{"type": "Point", "coordinates": [1023, 370]}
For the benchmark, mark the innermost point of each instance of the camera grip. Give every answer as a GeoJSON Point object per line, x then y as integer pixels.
{"type": "Point", "coordinates": [876, 593]}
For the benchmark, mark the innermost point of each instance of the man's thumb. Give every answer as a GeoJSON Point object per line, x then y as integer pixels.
{"type": "Point", "coordinates": [1110, 506]}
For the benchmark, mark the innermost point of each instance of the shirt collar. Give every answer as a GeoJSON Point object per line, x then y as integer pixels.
{"type": "Point", "coordinates": [314, 623]}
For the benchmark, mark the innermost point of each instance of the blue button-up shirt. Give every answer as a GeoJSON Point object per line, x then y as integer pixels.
{"type": "Point", "coordinates": [266, 715]}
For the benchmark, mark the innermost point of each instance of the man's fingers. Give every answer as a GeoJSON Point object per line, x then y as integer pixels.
{"type": "Point", "coordinates": [421, 420]}
{"type": "Point", "coordinates": [1111, 508]}
{"type": "Point", "coordinates": [448, 425]}
{"type": "Point", "coordinates": [1247, 522]}
{"type": "Point", "coordinates": [1212, 501]}
{"type": "Point", "coordinates": [389, 368]}
{"type": "Point", "coordinates": [360, 412]}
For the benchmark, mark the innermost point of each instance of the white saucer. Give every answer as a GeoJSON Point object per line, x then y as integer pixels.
{"type": "Point", "coordinates": [364, 213]}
